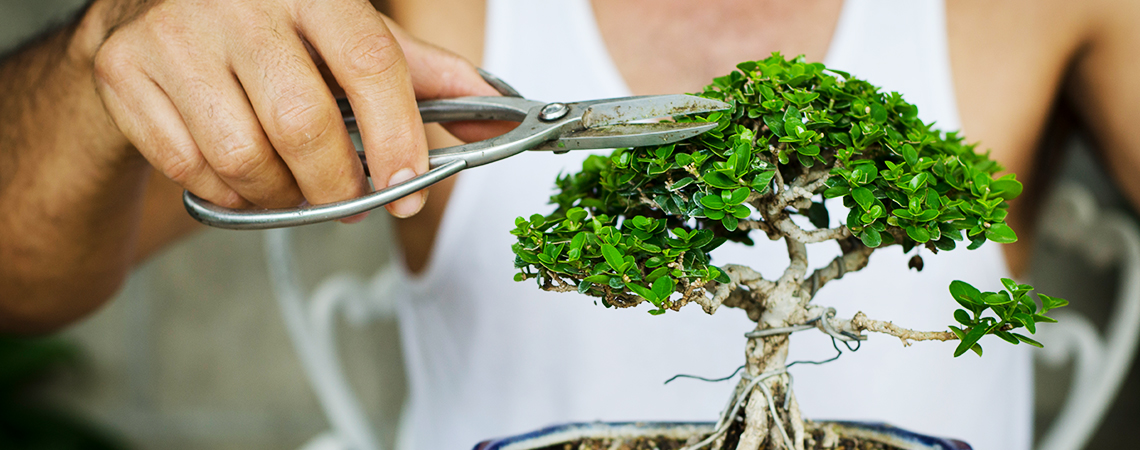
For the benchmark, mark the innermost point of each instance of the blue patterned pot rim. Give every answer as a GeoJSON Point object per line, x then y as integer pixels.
{"type": "Point", "coordinates": [557, 434]}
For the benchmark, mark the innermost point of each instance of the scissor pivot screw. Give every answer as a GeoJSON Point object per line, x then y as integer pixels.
{"type": "Point", "coordinates": [553, 111]}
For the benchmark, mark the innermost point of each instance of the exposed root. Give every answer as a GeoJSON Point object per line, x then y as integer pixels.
{"type": "Point", "coordinates": [755, 423]}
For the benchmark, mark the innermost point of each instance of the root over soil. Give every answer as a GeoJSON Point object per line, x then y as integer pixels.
{"type": "Point", "coordinates": [816, 440]}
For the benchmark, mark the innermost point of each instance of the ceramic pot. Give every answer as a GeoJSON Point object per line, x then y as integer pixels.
{"type": "Point", "coordinates": [559, 434]}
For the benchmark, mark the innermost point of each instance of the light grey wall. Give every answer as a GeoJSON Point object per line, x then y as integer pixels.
{"type": "Point", "coordinates": [193, 353]}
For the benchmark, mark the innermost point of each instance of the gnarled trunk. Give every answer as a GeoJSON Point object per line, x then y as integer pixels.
{"type": "Point", "coordinates": [771, 414]}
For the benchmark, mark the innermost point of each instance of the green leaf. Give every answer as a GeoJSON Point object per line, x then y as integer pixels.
{"type": "Point", "coordinates": [775, 124]}
{"type": "Point", "coordinates": [743, 159]}
{"type": "Point", "coordinates": [818, 215]}
{"type": "Point", "coordinates": [1001, 233]}
{"type": "Point", "coordinates": [663, 287]}
{"type": "Point", "coordinates": [1026, 321]}
{"type": "Point", "coordinates": [576, 214]}
{"type": "Point", "coordinates": [762, 180]}
{"type": "Point", "coordinates": [613, 256]}
{"type": "Point", "coordinates": [645, 293]}
{"type": "Point", "coordinates": [871, 238]}
{"type": "Point", "coordinates": [1027, 340]}
{"type": "Point", "coordinates": [863, 197]}
{"type": "Point", "coordinates": [1005, 336]}
{"type": "Point", "coordinates": [729, 222]}
{"type": "Point", "coordinates": [963, 317]}
{"type": "Point", "coordinates": [919, 234]}
{"type": "Point", "coordinates": [909, 154]}
{"type": "Point", "coordinates": [738, 196]}
{"type": "Point", "coordinates": [712, 202]}
{"type": "Point", "coordinates": [720, 181]}
{"type": "Point", "coordinates": [1049, 303]}
{"type": "Point", "coordinates": [741, 212]}
{"type": "Point", "coordinates": [520, 276]}
{"type": "Point", "coordinates": [599, 279]}
{"type": "Point", "coordinates": [964, 293]}
{"type": "Point", "coordinates": [1006, 188]}
{"type": "Point", "coordinates": [969, 340]}
{"type": "Point", "coordinates": [997, 298]}
{"type": "Point", "coordinates": [682, 183]}
{"type": "Point", "coordinates": [837, 191]}
{"type": "Point", "coordinates": [793, 126]}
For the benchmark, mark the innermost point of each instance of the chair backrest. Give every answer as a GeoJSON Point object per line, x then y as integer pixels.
{"type": "Point", "coordinates": [1101, 359]}
{"type": "Point", "coordinates": [311, 322]}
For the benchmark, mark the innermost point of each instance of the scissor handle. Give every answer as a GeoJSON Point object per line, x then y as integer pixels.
{"type": "Point", "coordinates": [260, 219]}
{"type": "Point", "coordinates": [510, 107]}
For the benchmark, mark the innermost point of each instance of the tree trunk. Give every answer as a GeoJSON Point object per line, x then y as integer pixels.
{"type": "Point", "coordinates": [766, 356]}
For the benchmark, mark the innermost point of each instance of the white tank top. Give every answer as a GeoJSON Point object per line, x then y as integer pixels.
{"type": "Point", "coordinates": [487, 356]}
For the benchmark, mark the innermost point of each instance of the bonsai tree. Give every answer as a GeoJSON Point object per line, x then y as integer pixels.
{"type": "Point", "coordinates": [638, 226]}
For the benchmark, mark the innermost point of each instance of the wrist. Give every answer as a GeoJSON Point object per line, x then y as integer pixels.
{"type": "Point", "coordinates": [83, 41]}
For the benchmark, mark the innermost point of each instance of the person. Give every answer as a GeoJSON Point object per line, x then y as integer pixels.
{"type": "Point", "coordinates": [487, 357]}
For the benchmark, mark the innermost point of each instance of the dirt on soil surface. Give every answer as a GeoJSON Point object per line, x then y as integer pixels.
{"type": "Point", "coordinates": [814, 442]}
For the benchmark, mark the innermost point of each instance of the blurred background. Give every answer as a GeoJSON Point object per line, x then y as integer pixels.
{"type": "Point", "coordinates": [193, 354]}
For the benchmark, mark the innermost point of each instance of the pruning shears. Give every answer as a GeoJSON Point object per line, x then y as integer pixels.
{"type": "Point", "coordinates": [558, 127]}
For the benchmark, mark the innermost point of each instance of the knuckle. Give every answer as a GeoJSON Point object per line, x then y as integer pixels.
{"type": "Point", "coordinates": [163, 20]}
{"type": "Point", "coordinates": [182, 167]}
{"type": "Point", "coordinates": [239, 157]}
{"type": "Point", "coordinates": [112, 62]}
{"type": "Point", "coordinates": [371, 54]}
{"type": "Point", "coordinates": [301, 121]}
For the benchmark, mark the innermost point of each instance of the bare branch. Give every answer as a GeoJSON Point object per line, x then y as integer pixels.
{"type": "Point", "coordinates": [854, 258]}
{"type": "Point", "coordinates": [746, 290]}
{"type": "Point", "coordinates": [790, 229]}
{"type": "Point", "coordinates": [861, 323]}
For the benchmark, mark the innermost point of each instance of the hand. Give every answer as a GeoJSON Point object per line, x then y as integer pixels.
{"type": "Point", "coordinates": [227, 98]}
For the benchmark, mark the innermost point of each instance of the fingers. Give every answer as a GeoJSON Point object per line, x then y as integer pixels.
{"type": "Point", "coordinates": [222, 123]}
{"type": "Point", "coordinates": [300, 117]}
{"type": "Point", "coordinates": [160, 134]}
{"type": "Point", "coordinates": [369, 64]}
{"type": "Point", "coordinates": [225, 98]}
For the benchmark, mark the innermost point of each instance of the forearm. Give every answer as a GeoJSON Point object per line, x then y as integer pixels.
{"type": "Point", "coordinates": [70, 185]}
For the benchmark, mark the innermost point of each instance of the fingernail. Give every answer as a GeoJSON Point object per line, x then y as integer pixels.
{"type": "Point", "coordinates": [407, 206]}
{"type": "Point", "coordinates": [355, 219]}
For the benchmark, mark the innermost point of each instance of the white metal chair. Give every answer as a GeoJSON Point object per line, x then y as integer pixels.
{"type": "Point", "coordinates": [311, 321]}
{"type": "Point", "coordinates": [1101, 361]}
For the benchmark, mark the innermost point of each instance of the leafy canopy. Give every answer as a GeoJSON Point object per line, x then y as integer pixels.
{"type": "Point", "coordinates": [640, 223]}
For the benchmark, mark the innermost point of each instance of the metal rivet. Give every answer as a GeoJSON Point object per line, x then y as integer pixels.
{"type": "Point", "coordinates": [553, 111]}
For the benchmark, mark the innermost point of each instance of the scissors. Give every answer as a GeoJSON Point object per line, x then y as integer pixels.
{"type": "Point", "coordinates": [557, 127]}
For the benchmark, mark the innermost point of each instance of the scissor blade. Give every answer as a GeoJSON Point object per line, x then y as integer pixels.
{"type": "Point", "coordinates": [624, 110]}
{"type": "Point", "coordinates": [627, 135]}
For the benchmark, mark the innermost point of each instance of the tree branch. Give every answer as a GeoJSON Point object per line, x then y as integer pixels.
{"type": "Point", "coordinates": [854, 258]}
{"type": "Point", "coordinates": [861, 323]}
{"type": "Point", "coordinates": [746, 290]}
{"type": "Point", "coordinates": [790, 229]}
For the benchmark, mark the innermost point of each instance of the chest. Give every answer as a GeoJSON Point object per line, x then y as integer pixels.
{"type": "Point", "coordinates": [679, 45]}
